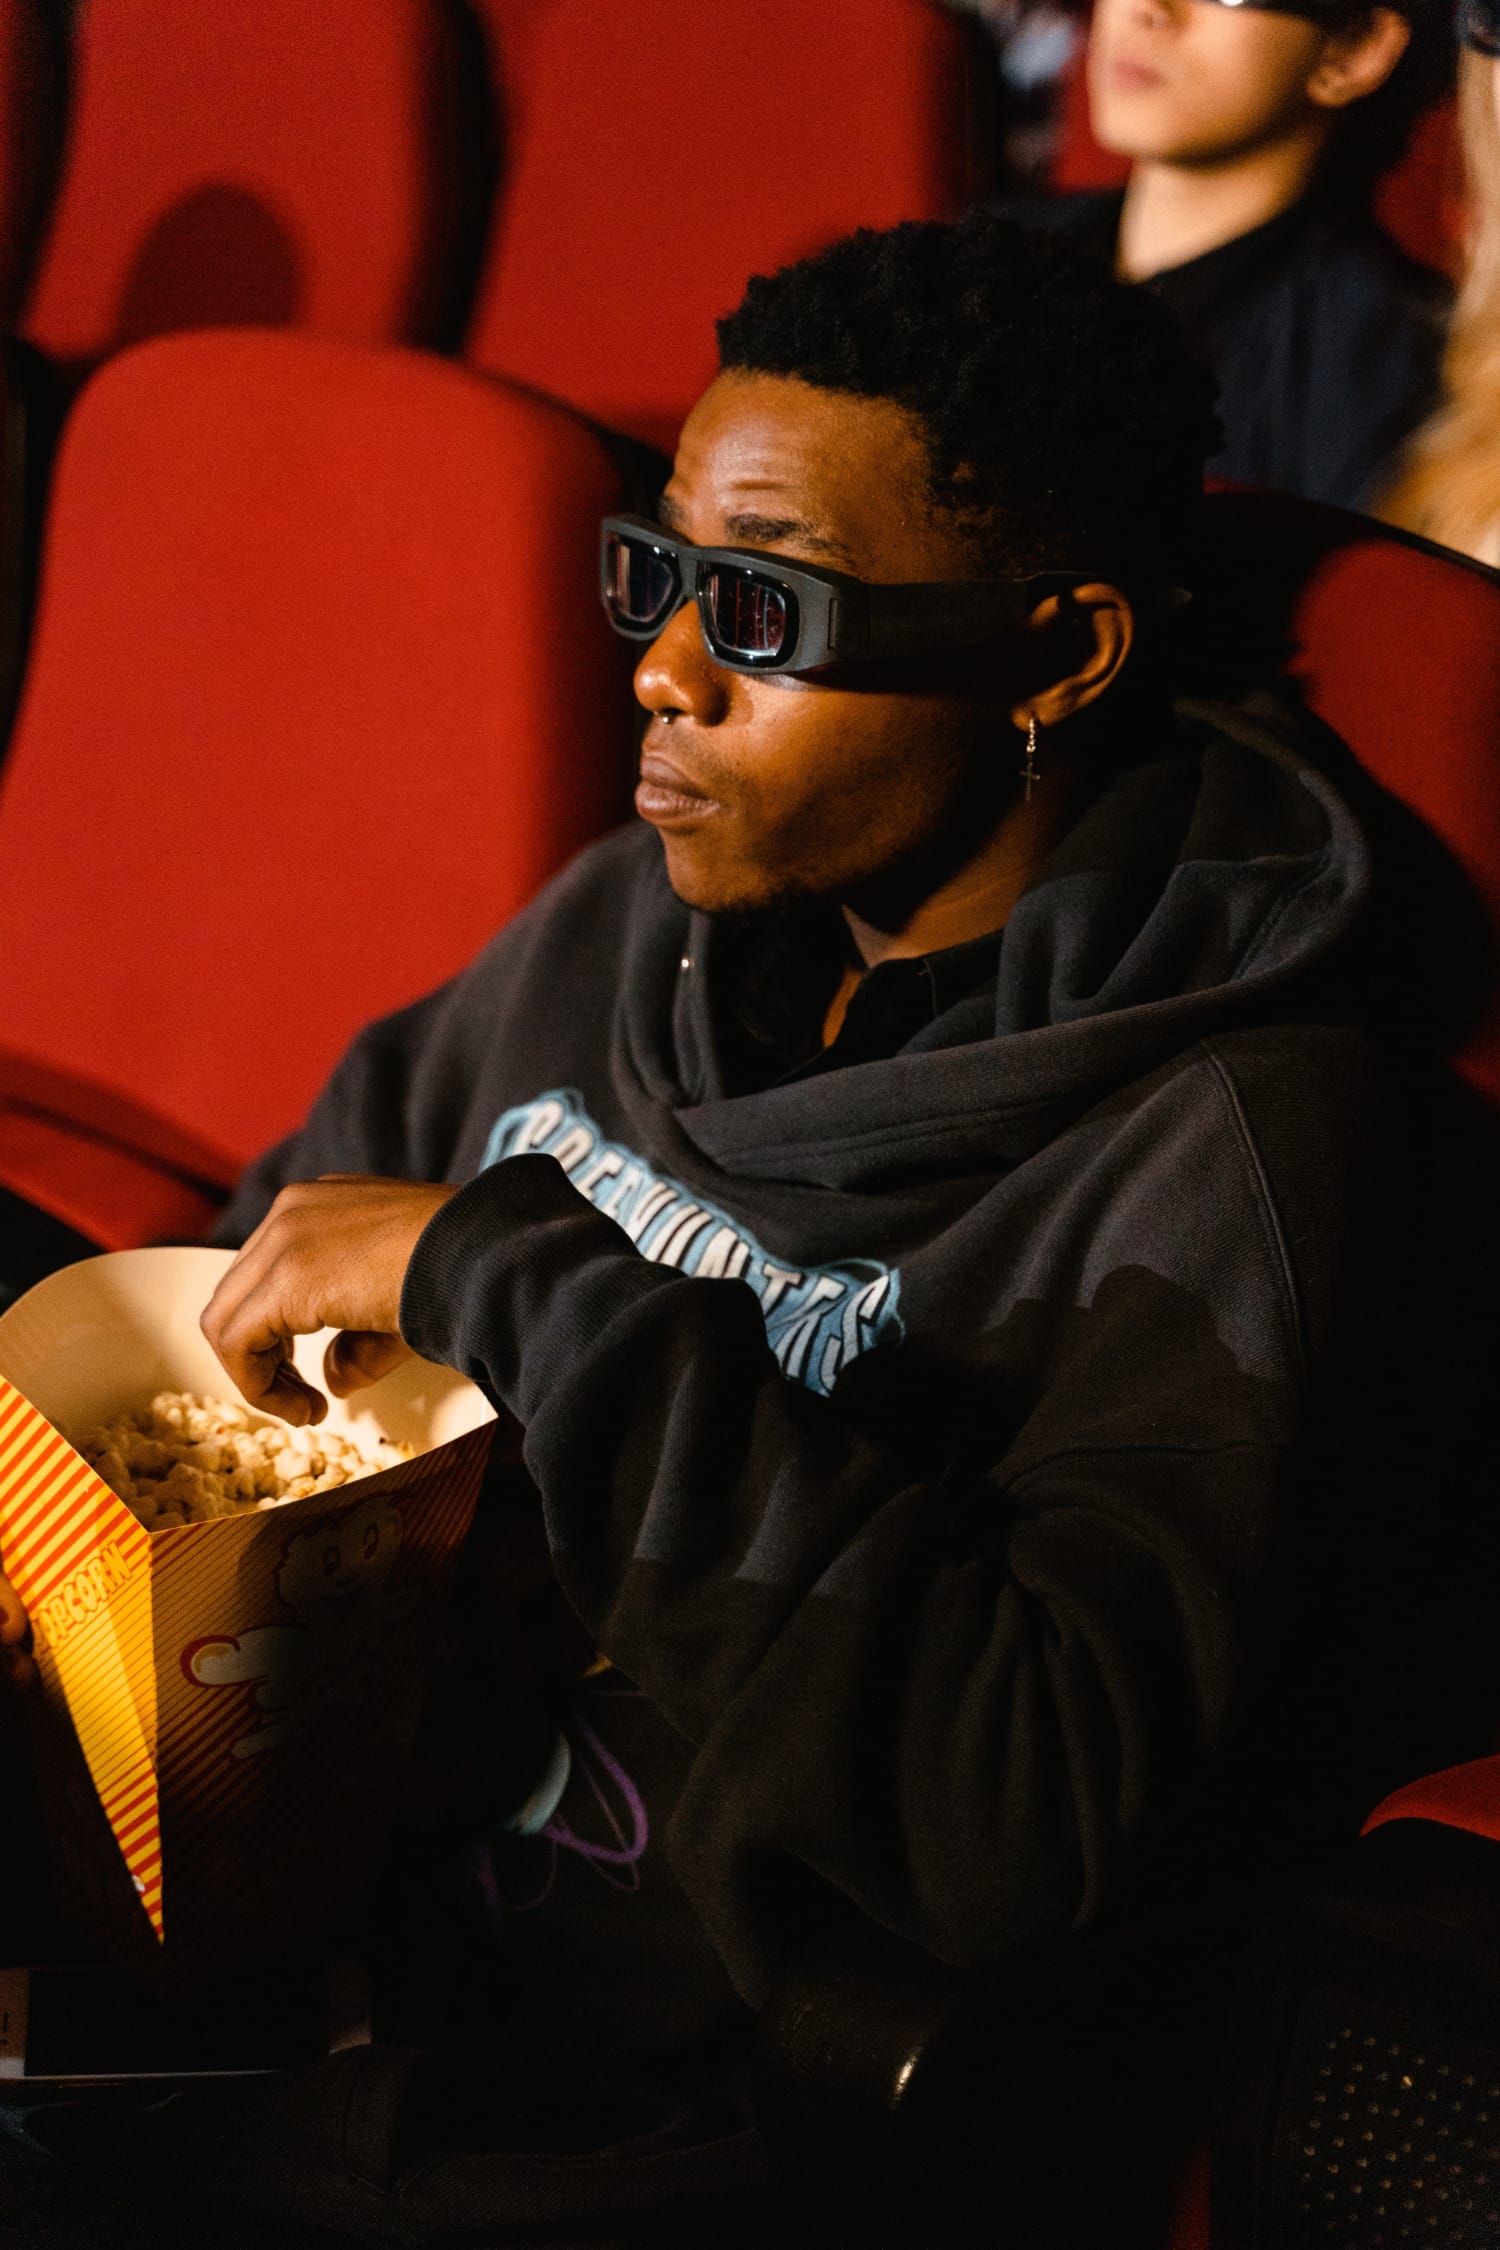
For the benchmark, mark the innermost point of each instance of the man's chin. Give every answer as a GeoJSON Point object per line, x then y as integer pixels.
{"type": "Point", "coordinates": [713, 883]}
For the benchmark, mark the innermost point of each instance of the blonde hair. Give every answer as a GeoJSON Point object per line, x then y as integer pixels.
{"type": "Point", "coordinates": [1450, 488]}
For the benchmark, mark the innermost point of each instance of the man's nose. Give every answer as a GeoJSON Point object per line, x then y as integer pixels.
{"type": "Point", "coordinates": [1142, 14]}
{"type": "Point", "coordinates": [678, 678]}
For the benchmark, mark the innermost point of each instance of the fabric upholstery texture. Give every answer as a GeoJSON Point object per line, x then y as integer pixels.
{"type": "Point", "coordinates": [256, 160]}
{"type": "Point", "coordinates": [1397, 646]}
{"type": "Point", "coordinates": [321, 691]}
{"type": "Point", "coordinates": [116, 1198]}
{"type": "Point", "coordinates": [749, 138]}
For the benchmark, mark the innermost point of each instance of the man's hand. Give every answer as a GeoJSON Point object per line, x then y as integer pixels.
{"type": "Point", "coordinates": [332, 1253]}
{"type": "Point", "coordinates": [16, 1664]}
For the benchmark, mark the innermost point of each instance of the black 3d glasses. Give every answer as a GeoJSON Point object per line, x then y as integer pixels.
{"type": "Point", "coordinates": [760, 614]}
{"type": "Point", "coordinates": [1479, 25]}
{"type": "Point", "coordinates": [1329, 13]}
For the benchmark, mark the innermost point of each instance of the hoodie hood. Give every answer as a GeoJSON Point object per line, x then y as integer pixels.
{"type": "Point", "coordinates": [1200, 891]}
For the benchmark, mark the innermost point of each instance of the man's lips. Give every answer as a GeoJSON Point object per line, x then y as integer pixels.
{"type": "Point", "coordinates": [668, 797]}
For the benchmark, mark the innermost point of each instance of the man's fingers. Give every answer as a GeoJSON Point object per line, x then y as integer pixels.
{"type": "Point", "coordinates": [330, 1253]}
{"type": "Point", "coordinates": [266, 1376]}
{"type": "Point", "coordinates": [292, 1399]}
{"type": "Point", "coordinates": [358, 1356]}
{"type": "Point", "coordinates": [244, 1321]}
{"type": "Point", "coordinates": [270, 1381]}
{"type": "Point", "coordinates": [251, 1347]}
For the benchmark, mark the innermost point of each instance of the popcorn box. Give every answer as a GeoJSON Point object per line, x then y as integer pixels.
{"type": "Point", "coordinates": [224, 1705]}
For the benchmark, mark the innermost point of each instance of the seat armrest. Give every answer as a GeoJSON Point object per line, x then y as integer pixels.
{"type": "Point", "coordinates": [1466, 1796]}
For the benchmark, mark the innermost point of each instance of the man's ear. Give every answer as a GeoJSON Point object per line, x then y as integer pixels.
{"type": "Point", "coordinates": [1355, 62]}
{"type": "Point", "coordinates": [1096, 624]}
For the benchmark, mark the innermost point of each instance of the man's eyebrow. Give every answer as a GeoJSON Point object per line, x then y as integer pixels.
{"type": "Point", "coordinates": [769, 531]}
{"type": "Point", "coordinates": [752, 530]}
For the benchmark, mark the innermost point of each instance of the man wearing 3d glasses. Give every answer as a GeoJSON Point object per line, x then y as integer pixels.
{"type": "Point", "coordinates": [913, 1189]}
{"type": "Point", "coordinates": [1256, 130]}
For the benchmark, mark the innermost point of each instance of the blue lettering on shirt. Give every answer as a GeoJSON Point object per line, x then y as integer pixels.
{"type": "Point", "coordinates": [818, 1318]}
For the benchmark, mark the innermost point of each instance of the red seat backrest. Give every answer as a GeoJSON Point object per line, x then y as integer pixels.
{"type": "Point", "coordinates": [260, 161]}
{"type": "Point", "coordinates": [1078, 161]}
{"type": "Point", "coordinates": [657, 155]}
{"type": "Point", "coordinates": [1397, 646]}
{"type": "Point", "coordinates": [1419, 201]}
{"type": "Point", "coordinates": [320, 692]}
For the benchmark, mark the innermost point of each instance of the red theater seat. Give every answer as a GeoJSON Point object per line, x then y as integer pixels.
{"type": "Point", "coordinates": [1421, 199]}
{"type": "Point", "coordinates": [1465, 1797]}
{"type": "Point", "coordinates": [1397, 645]}
{"type": "Point", "coordinates": [258, 161]}
{"type": "Point", "coordinates": [320, 693]}
{"type": "Point", "coordinates": [92, 1183]}
{"type": "Point", "coordinates": [1079, 162]}
{"type": "Point", "coordinates": [657, 155]}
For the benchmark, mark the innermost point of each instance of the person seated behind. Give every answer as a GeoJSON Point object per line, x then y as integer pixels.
{"type": "Point", "coordinates": [914, 1189]}
{"type": "Point", "coordinates": [1449, 488]}
{"type": "Point", "coordinates": [1255, 133]}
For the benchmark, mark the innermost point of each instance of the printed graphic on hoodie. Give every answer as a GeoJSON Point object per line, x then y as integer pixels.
{"type": "Point", "coordinates": [818, 1318]}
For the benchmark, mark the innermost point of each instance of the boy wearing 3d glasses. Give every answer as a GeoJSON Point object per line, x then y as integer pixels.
{"type": "Point", "coordinates": [916, 1188]}
{"type": "Point", "coordinates": [1256, 130]}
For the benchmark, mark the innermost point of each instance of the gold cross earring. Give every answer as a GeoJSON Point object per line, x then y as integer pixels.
{"type": "Point", "coordinates": [1028, 771]}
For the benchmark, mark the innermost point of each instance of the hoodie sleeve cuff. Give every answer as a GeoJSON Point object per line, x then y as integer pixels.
{"type": "Point", "coordinates": [514, 1276]}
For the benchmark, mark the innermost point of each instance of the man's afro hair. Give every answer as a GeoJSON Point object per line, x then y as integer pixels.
{"type": "Point", "coordinates": [1066, 422]}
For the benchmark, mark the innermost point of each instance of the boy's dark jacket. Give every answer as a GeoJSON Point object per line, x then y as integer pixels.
{"type": "Point", "coordinates": [968, 1548]}
{"type": "Point", "coordinates": [1325, 340]}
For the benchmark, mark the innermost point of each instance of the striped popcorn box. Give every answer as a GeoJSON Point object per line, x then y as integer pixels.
{"type": "Point", "coordinates": [241, 1690]}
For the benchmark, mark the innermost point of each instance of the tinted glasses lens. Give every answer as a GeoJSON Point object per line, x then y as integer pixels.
{"type": "Point", "coordinates": [640, 584]}
{"type": "Point", "coordinates": [1479, 25]}
{"type": "Point", "coordinates": [750, 616]}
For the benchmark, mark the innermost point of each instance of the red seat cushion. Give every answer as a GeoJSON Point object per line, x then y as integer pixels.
{"type": "Point", "coordinates": [253, 160]}
{"type": "Point", "coordinates": [321, 691]}
{"type": "Point", "coordinates": [658, 155]}
{"type": "Point", "coordinates": [115, 1197]}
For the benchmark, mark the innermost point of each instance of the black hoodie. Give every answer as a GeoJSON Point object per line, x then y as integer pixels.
{"type": "Point", "coordinates": [938, 1445]}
